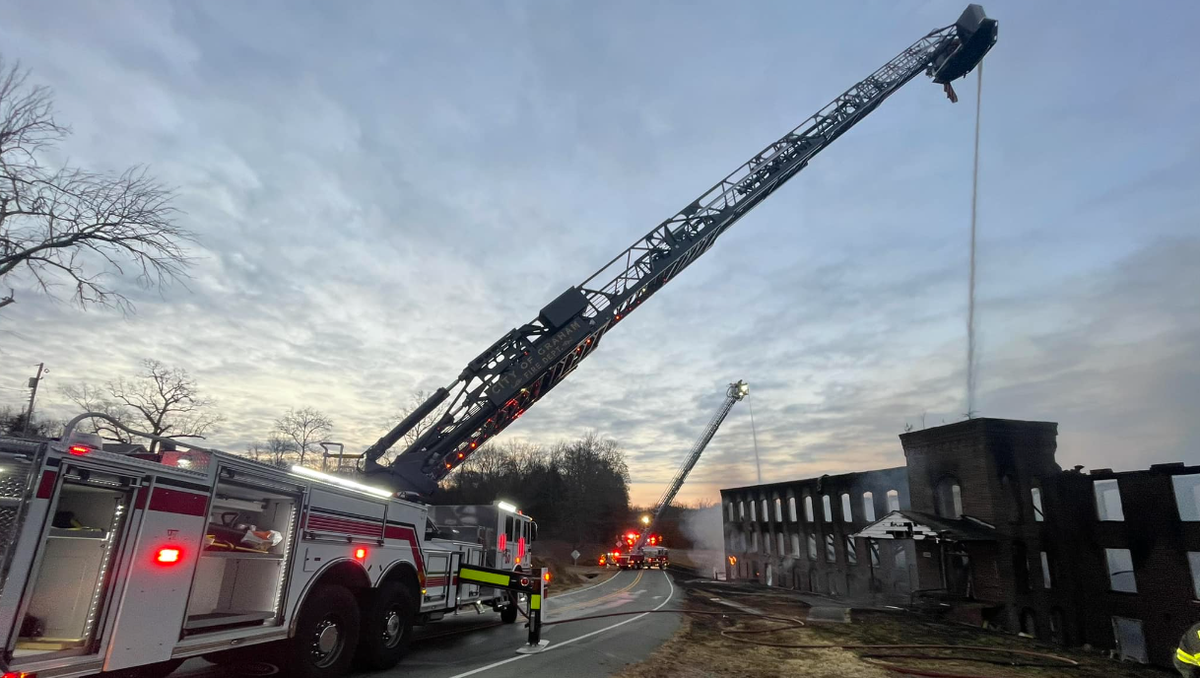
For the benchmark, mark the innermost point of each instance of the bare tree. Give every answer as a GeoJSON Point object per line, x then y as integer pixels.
{"type": "Point", "coordinates": [90, 398]}
{"type": "Point", "coordinates": [278, 448]}
{"type": "Point", "coordinates": [167, 401]}
{"type": "Point", "coordinates": [256, 451]}
{"type": "Point", "coordinates": [304, 427]}
{"type": "Point", "coordinates": [274, 450]}
{"type": "Point", "coordinates": [73, 227]}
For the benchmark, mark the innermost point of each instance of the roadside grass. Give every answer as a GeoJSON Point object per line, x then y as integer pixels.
{"type": "Point", "coordinates": [566, 577]}
{"type": "Point", "coordinates": [699, 649]}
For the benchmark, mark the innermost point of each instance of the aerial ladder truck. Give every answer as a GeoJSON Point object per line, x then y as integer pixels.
{"type": "Point", "coordinates": [116, 562]}
{"type": "Point", "coordinates": [645, 548]}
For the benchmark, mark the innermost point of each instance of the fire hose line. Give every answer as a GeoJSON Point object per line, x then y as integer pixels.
{"type": "Point", "coordinates": [873, 655]}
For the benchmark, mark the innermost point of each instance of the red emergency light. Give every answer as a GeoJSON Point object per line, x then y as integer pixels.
{"type": "Point", "coordinates": [168, 555]}
{"type": "Point", "coordinates": [19, 674]}
{"type": "Point", "coordinates": [77, 450]}
{"type": "Point", "coordinates": [360, 554]}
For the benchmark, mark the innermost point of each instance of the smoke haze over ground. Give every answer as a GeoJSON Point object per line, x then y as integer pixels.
{"type": "Point", "coordinates": [703, 528]}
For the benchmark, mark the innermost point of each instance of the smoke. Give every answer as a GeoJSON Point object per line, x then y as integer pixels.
{"type": "Point", "coordinates": [704, 529]}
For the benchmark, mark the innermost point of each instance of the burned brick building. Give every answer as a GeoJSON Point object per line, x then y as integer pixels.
{"type": "Point", "coordinates": [982, 523]}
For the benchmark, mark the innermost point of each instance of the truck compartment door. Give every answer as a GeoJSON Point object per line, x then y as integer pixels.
{"type": "Point", "coordinates": [64, 608]}
{"type": "Point", "coordinates": [437, 580]}
{"type": "Point", "coordinates": [160, 567]}
{"type": "Point", "coordinates": [469, 592]}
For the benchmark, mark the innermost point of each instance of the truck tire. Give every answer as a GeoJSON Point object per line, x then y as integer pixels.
{"type": "Point", "coordinates": [508, 614]}
{"type": "Point", "coordinates": [387, 622]}
{"type": "Point", "coordinates": [326, 634]}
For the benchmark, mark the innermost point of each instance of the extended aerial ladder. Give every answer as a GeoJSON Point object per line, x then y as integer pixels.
{"type": "Point", "coordinates": [501, 383]}
{"type": "Point", "coordinates": [733, 394]}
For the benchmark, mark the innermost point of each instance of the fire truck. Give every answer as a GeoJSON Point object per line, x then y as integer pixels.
{"type": "Point", "coordinates": [132, 563]}
{"type": "Point", "coordinates": [128, 564]}
{"type": "Point", "coordinates": [629, 556]}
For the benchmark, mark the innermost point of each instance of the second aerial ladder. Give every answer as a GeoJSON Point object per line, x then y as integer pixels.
{"type": "Point", "coordinates": [640, 549]}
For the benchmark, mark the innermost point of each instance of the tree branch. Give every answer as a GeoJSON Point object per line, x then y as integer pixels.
{"type": "Point", "coordinates": [75, 225]}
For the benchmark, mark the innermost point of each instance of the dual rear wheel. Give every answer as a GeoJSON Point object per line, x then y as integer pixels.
{"type": "Point", "coordinates": [337, 631]}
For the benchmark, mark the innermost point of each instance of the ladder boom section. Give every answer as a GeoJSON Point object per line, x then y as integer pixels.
{"type": "Point", "coordinates": [501, 383]}
{"type": "Point", "coordinates": [735, 392]}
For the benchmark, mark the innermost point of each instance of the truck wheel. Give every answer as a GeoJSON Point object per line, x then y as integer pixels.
{"type": "Point", "coordinates": [508, 615]}
{"type": "Point", "coordinates": [387, 623]}
{"type": "Point", "coordinates": [326, 633]}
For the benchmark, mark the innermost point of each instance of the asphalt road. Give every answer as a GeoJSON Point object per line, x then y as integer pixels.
{"type": "Point", "coordinates": [471, 644]}
{"type": "Point", "coordinates": [592, 647]}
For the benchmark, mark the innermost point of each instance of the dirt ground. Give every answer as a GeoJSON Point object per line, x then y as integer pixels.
{"type": "Point", "coordinates": [708, 645]}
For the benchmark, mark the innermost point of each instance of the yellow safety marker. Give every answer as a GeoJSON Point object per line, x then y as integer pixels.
{"type": "Point", "coordinates": [484, 577]}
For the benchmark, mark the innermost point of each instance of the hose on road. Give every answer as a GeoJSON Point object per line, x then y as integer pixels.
{"type": "Point", "coordinates": [876, 654]}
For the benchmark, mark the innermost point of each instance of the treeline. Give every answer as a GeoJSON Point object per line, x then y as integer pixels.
{"type": "Point", "coordinates": [13, 422]}
{"type": "Point", "coordinates": [576, 490]}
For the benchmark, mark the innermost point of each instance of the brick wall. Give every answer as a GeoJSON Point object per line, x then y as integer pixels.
{"type": "Point", "coordinates": [997, 463]}
{"type": "Point", "coordinates": [819, 575]}
{"type": "Point", "coordinates": [1158, 542]}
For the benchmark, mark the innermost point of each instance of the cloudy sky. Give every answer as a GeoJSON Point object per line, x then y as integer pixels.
{"type": "Point", "coordinates": [381, 191]}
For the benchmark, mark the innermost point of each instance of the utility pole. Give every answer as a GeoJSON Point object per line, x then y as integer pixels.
{"type": "Point", "coordinates": [33, 387]}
